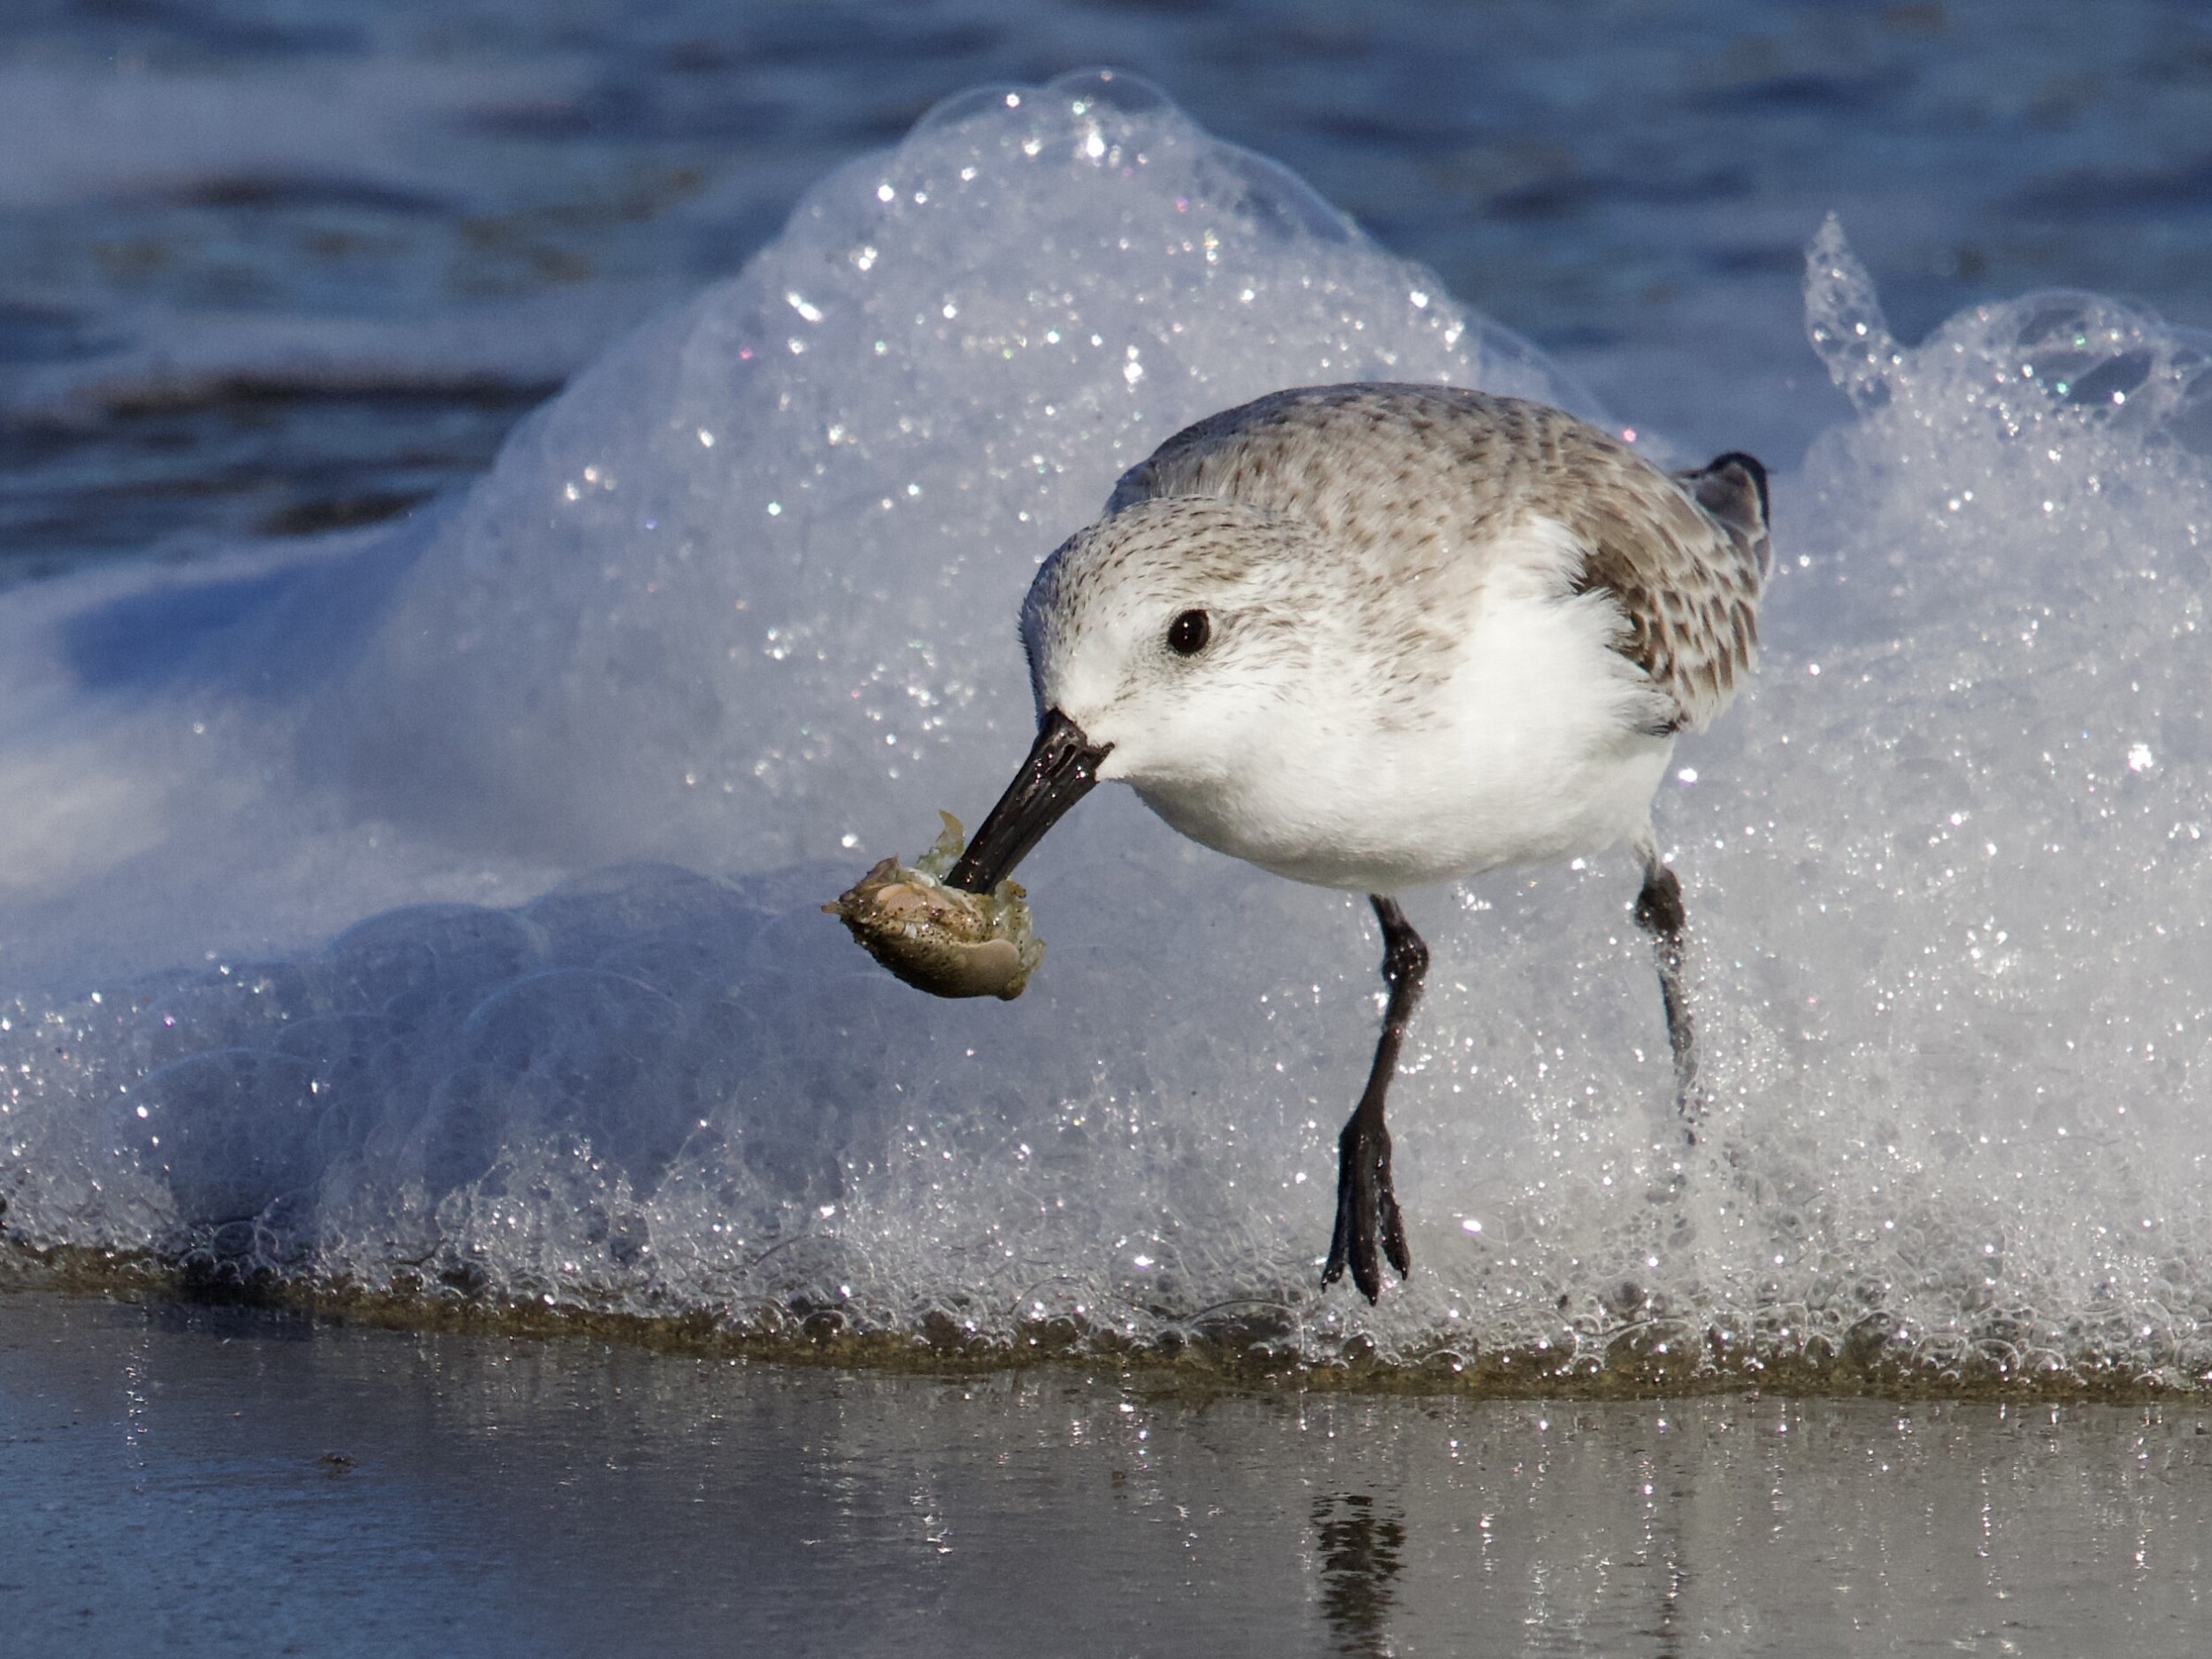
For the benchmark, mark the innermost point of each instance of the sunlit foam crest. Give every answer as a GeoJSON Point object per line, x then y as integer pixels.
{"type": "Point", "coordinates": [491, 848]}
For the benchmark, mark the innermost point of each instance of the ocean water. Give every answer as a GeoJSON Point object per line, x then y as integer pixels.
{"type": "Point", "coordinates": [267, 266]}
{"type": "Point", "coordinates": [506, 508]}
{"type": "Point", "coordinates": [427, 916]}
{"type": "Point", "coordinates": [197, 1481]}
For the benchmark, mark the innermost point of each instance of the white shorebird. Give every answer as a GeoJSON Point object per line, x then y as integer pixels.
{"type": "Point", "coordinates": [1375, 636]}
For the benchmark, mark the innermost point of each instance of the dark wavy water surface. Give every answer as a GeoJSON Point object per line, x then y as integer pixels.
{"type": "Point", "coordinates": [268, 268]}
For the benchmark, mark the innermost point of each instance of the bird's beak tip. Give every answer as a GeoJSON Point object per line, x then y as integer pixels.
{"type": "Point", "coordinates": [1060, 770]}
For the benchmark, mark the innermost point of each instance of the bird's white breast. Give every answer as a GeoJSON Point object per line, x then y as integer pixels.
{"type": "Point", "coordinates": [1535, 743]}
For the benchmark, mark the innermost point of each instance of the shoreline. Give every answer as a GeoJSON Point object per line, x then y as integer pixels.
{"type": "Point", "coordinates": [1210, 1363]}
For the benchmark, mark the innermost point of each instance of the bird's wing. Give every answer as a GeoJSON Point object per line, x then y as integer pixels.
{"type": "Point", "coordinates": [1429, 467]}
{"type": "Point", "coordinates": [1686, 557]}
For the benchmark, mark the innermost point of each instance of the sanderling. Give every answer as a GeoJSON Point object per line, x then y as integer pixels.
{"type": "Point", "coordinates": [1376, 636]}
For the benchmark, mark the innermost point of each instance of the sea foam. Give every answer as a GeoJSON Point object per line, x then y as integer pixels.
{"type": "Point", "coordinates": [432, 914]}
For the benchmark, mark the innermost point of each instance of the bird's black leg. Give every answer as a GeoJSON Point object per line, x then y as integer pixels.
{"type": "Point", "coordinates": [1659, 913]}
{"type": "Point", "coordinates": [1366, 1206]}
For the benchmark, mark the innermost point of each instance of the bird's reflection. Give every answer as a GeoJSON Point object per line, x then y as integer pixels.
{"type": "Point", "coordinates": [1360, 1547]}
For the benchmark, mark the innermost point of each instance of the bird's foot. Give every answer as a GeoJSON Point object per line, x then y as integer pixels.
{"type": "Point", "coordinates": [1369, 1228]}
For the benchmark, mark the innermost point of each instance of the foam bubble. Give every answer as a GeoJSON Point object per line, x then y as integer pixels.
{"type": "Point", "coordinates": [735, 616]}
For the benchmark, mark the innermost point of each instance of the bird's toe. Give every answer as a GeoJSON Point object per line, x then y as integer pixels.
{"type": "Point", "coordinates": [1369, 1228]}
{"type": "Point", "coordinates": [1394, 1232]}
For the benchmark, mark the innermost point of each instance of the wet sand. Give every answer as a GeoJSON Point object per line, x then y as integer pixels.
{"type": "Point", "coordinates": [192, 1480]}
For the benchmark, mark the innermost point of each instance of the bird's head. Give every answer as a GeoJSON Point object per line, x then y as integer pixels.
{"type": "Point", "coordinates": [1163, 641]}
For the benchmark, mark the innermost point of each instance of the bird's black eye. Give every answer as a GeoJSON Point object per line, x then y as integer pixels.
{"type": "Point", "coordinates": [1187, 634]}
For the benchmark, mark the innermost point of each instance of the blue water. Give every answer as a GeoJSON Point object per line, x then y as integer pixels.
{"type": "Point", "coordinates": [270, 267]}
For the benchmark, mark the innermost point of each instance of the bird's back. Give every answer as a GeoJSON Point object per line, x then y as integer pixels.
{"type": "Point", "coordinates": [1412, 481]}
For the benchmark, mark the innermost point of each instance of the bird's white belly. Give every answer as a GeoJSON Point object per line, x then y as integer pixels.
{"type": "Point", "coordinates": [1419, 831]}
{"type": "Point", "coordinates": [1536, 750]}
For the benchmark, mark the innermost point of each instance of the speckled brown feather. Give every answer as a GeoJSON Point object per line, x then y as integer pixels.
{"type": "Point", "coordinates": [1439, 471]}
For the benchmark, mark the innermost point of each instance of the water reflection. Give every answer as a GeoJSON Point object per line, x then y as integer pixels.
{"type": "Point", "coordinates": [1361, 1546]}
{"type": "Point", "coordinates": [561, 1500]}
{"type": "Point", "coordinates": [1668, 1488]}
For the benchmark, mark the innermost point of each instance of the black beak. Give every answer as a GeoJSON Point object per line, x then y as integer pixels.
{"type": "Point", "coordinates": [1063, 765]}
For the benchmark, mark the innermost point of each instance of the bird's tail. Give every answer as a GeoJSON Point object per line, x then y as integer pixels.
{"type": "Point", "coordinates": [1733, 489]}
